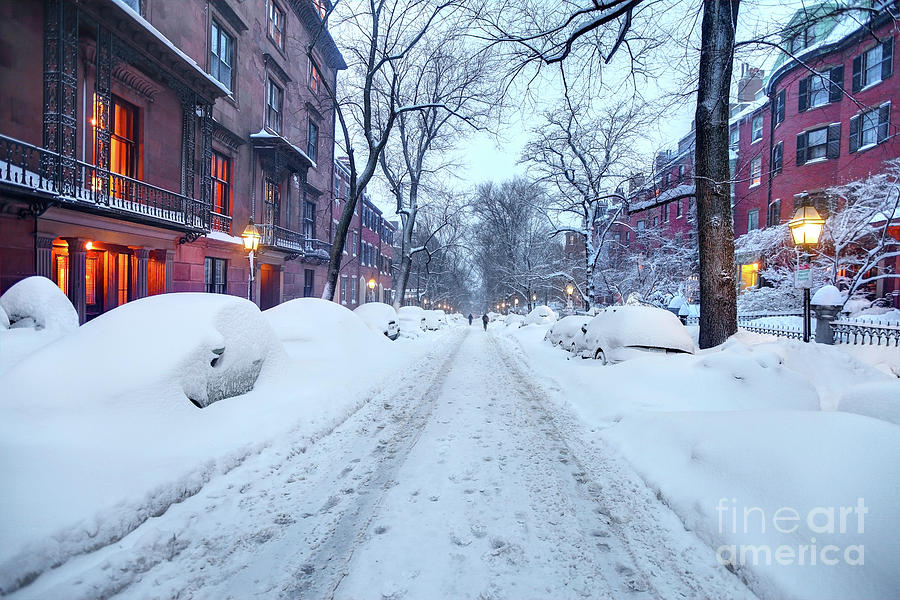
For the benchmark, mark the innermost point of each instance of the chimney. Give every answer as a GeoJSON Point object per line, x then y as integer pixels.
{"type": "Point", "coordinates": [750, 83]}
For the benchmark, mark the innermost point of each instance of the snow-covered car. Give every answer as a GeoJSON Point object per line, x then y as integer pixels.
{"type": "Point", "coordinates": [566, 332]}
{"type": "Point", "coordinates": [541, 315]}
{"type": "Point", "coordinates": [380, 317]}
{"type": "Point", "coordinates": [206, 347]}
{"type": "Point", "coordinates": [411, 320]}
{"type": "Point", "coordinates": [434, 319]}
{"type": "Point", "coordinates": [619, 333]}
{"type": "Point", "coordinates": [514, 320]}
{"type": "Point", "coordinates": [33, 313]}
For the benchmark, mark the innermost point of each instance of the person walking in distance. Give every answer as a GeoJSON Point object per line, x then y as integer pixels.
{"type": "Point", "coordinates": [470, 319]}
{"type": "Point", "coordinates": [484, 321]}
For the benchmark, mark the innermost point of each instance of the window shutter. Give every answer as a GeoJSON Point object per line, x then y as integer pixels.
{"type": "Point", "coordinates": [854, 133]}
{"type": "Point", "coordinates": [837, 83]}
{"type": "Point", "coordinates": [803, 98]}
{"type": "Point", "coordinates": [857, 73]}
{"type": "Point", "coordinates": [887, 58]}
{"type": "Point", "coordinates": [801, 149]}
{"type": "Point", "coordinates": [833, 150]}
{"type": "Point", "coordinates": [779, 106]}
{"type": "Point", "coordinates": [884, 118]}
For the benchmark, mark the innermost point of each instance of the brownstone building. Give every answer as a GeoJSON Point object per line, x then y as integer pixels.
{"type": "Point", "coordinates": [139, 137]}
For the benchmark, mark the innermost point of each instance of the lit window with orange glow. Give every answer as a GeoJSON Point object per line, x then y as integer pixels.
{"type": "Point", "coordinates": [62, 273]}
{"type": "Point", "coordinates": [749, 275]}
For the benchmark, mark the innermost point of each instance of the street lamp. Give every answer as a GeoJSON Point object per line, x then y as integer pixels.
{"type": "Point", "coordinates": [372, 286]}
{"type": "Point", "coordinates": [806, 228]}
{"type": "Point", "coordinates": [251, 238]}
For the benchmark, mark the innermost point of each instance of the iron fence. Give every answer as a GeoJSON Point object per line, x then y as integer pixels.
{"type": "Point", "coordinates": [866, 333]}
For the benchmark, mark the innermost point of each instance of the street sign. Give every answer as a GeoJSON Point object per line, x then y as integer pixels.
{"type": "Point", "coordinates": [803, 277]}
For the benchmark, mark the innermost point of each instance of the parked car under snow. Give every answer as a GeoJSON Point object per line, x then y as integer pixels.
{"type": "Point", "coordinates": [380, 317]}
{"type": "Point", "coordinates": [206, 346]}
{"type": "Point", "coordinates": [541, 315]}
{"type": "Point", "coordinates": [619, 333]}
{"type": "Point", "coordinates": [566, 332]}
{"type": "Point", "coordinates": [411, 320]}
{"type": "Point", "coordinates": [435, 319]}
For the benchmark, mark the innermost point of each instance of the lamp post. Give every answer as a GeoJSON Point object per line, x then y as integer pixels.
{"type": "Point", "coordinates": [806, 227]}
{"type": "Point", "coordinates": [251, 243]}
{"type": "Point", "coordinates": [371, 285]}
{"type": "Point", "coordinates": [569, 289]}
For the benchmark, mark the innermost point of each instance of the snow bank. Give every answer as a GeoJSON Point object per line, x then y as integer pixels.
{"type": "Point", "coordinates": [514, 320]}
{"type": "Point", "coordinates": [879, 400]}
{"type": "Point", "coordinates": [33, 313]}
{"type": "Point", "coordinates": [739, 480]}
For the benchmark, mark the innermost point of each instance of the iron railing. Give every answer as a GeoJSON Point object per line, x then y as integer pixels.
{"type": "Point", "coordinates": [81, 185]}
{"type": "Point", "coordinates": [281, 238]}
{"type": "Point", "coordinates": [866, 333]}
{"type": "Point", "coordinates": [743, 317]}
{"type": "Point", "coordinates": [220, 222]}
{"type": "Point", "coordinates": [777, 330]}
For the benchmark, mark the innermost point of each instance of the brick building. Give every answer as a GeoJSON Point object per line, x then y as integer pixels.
{"type": "Point", "coordinates": [793, 135]}
{"type": "Point", "coordinates": [165, 127]}
{"type": "Point", "coordinates": [368, 249]}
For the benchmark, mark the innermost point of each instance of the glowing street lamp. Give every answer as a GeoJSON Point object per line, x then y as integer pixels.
{"type": "Point", "coordinates": [251, 238]}
{"type": "Point", "coordinates": [806, 228]}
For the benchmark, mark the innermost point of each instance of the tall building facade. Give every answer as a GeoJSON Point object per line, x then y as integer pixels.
{"type": "Point", "coordinates": [143, 137]}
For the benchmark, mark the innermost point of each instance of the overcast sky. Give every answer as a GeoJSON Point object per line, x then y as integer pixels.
{"type": "Point", "coordinates": [487, 157]}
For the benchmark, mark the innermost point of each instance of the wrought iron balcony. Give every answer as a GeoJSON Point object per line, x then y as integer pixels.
{"type": "Point", "coordinates": [294, 243]}
{"type": "Point", "coordinates": [49, 179]}
{"type": "Point", "coordinates": [220, 222]}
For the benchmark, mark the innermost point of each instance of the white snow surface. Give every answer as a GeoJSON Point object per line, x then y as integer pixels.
{"type": "Point", "coordinates": [828, 295]}
{"type": "Point", "coordinates": [564, 332]}
{"type": "Point", "coordinates": [378, 316]}
{"type": "Point", "coordinates": [540, 315]}
{"type": "Point", "coordinates": [749, 425]}
{"type": "Point", "coordinates": [411, 320]}
{"type": "Point", "coordinates": [618, 328]}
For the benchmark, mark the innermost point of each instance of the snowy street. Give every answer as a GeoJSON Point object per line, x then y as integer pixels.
{"type": "Point", "coordinates": [465, 483]}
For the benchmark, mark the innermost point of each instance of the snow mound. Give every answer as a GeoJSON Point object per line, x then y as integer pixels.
{"type": "Point", "coordinates": [378, 316]}
{"type": "Point", "coordinates": [564, 332]}
{"type": "Point", "coordinates": [411, 320]}
{"type": "Point", "coordinates": [207, 346]}
{"type": "Point", "coordinates": [312, 327]}
{"type": "Point", "coordinates": [828, 295]}
{"type": "Point", "coordinates": [514, 320]}
{"type": "Point", "coordinates": [874, 315]}
{"type": "Point", "coordinates": [879, 400]}
{"type": "Point", "coordinates": [4, 318]}
{"type": "Point", "coordinates": [541, 315]}
{"type": "Point", "coordinates": [39, 303]}
{"type": "Point", "coordinates": [729, 476]}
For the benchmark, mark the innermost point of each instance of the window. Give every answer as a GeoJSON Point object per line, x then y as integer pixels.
{"type": "Point", "coordinates": [757, 128]}
{"type": "Point", "coordinates": [123, 129]}
{"type": "Point", "coordinates": [309, 278]}
{"type": "Point", "coordinates": [820, 89]}
{"type": "Point", "coordinates": [276, 24]}
{"type": "Point", "coordinates": [779, 107]}
{"type": "Point", "coordinates": [870, 128]}
{"type": "Point", "coordinates": [354, 289]}
{"type": "Point", "coordinates": [312, 141]}
{"type": "Point", "coordinates": [777, 158]}
{"type": "Point", "coordinates": [735, 137]}
{"type": "Point", "coordinates": [821, 143]}
{"type": "Point", "coordinates": [355, 242]}
{"type": "Point", "coordinates": [343, 289]}
{"type": "Point", "coordinates": [678, 209]}
{"type": "Point", "coordinates": [668, 179]}
{"type": "Point", "coordinates": [315, 80]}
{"type": "Point", "coordinates": [641, 224]}
{"type": "Point", "coordinates": [773, 216]}
{"type": "Point", "coordinates": [655, 221]}
{"type": "Point", "coordinates": [123, 278]}
{"type": "Point", "coordinates": [756, 171]}
{"type": "Point", "coordinates": [752, 220]}
{"type": "Point", "coordinates": [320, 8]}
{"type": "Point", "coordinates": [62, 273]}
{"type": "Point", "coordinates": [221, 184]}
{"type": "Point", "coordinates": [874, 65]}
{"type": "Point", "coordinates": [749, 275]}
{"type": "Point", "coordinates": [221, 55]}
{"type": "Point", "coordinates": [309, 220]}
{"type": "Point", "coordinates": [275, 105]}
{"type": "Point", "coordinates": [214, 275]}
{"type": "Point", "coordinates": [680, 172]}
{"type": "Point", "coordinates": [665, 212]}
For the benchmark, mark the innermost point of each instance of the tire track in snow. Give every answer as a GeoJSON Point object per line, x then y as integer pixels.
{"type": "Point", "coordinates": [635, 515]}
{"type": "Point", "coordinates": [327, 567]}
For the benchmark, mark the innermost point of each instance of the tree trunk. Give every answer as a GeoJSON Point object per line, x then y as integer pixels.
{"type": "Point", "coordinates": [402, 280]}
{"type": "Point", "coordinates": [337, 249]}
{"type": "Point", "coordinates": [718, 300]}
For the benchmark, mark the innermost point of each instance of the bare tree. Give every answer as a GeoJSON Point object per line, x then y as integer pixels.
{"type": "Point", "coordinates": [383, 34]}
{"type": "Point", "coordinates": [584, 158]}
{"type": "Point", "coordinates": [455, 86]}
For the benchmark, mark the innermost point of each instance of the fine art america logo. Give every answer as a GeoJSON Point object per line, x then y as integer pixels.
{"type": "Point", "coordinates": [799, 528]}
